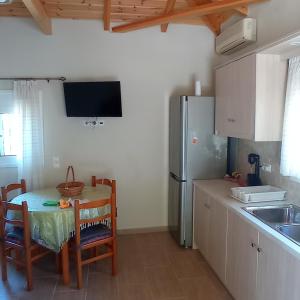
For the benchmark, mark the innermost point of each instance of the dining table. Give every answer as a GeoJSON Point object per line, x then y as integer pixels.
{"type": "Point", "coordinates": [52, 226]}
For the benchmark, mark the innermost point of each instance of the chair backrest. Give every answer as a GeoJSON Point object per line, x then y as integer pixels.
{"type": "Point", "coordinates": [105, 181]}
{"type": "Point", "coordinates": [12, 187]}
{"type": "Point", "coordinates": [5, 207]}
{"type": "Point", "coordinates": [109, 218]}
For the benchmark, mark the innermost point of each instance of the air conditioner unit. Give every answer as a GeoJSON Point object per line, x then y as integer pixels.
{"type": "Point", "coordinates": [237, 36]}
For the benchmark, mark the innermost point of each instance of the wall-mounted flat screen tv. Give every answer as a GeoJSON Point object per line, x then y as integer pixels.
{"type": "Point", "coordinates": [93, 99]}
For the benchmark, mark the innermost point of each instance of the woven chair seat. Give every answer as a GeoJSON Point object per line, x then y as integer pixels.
{"type": "Point", "coordinates": [15, 234]}
{"type": "Point", "coordinates": [94, 233]}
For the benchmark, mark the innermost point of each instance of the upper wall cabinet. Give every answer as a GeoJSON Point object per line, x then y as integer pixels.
{"type": "Point", "coordinates": [250, 95]}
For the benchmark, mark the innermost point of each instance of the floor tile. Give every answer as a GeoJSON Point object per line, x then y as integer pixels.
{"type": "Point", "coordinates": [103, 266]}
{"type": "Point", "coordinates": [165, 240]}
{"type": "Point", "coordinates": [101, 287]}
{"type": "Point", "coordinates": [134, 292]}
{"type": "Point", "coordinates": [42, 288]}
{"type": "Point", "coordinates": [203, 288]}
{"type": "Point", "coordinates": [163, 283]}
{"type": "Point", "coordinates": [45, 267]}
{"type": "Point", "coordinates": [73, 280]}
{"type": "Point", "coordinates": [154, 256]}
{"type": "Point", "coordinates": [73, 295]}
{"type": "Point", "coordinates": [14, 286]}
{"type": "Point", "coordinates": [151, 266]}
{"type": "Point", "coordinates": [134, 273]}
{"type": "Point", "coordinates": [188, 263]}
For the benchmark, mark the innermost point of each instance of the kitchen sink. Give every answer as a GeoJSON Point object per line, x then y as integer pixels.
{"type": "Point", "coordinates": [285, 219]}
{"type": "Point", "coordinates": [279, 214]}
{"type": "Point", "coordinates": [291, 231]}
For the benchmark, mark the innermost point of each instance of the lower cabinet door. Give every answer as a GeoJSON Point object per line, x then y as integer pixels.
{"type": "Point", "coordinates": [210, 230]}
{"type": "Point", "coordinates": [201, 221]}
{"type": "Point", "coordinates": [278, 271]}
{"type": "Point", "coordinates": [217, 238]}
{"type": "Point", "coordinates": [241, 258]}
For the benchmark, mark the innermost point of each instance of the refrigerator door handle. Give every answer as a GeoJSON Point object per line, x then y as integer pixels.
{"type": "Point", "coordinates": [177, 178]}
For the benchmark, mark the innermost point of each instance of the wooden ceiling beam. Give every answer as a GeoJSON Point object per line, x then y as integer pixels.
{"type": "Point", "coordinates": [199, 10]}
{"type": "Point", "coordinates": [189, 21]}
{"type": "Point", "coordinates": [211, 24]}
{"type": "Point", "coordinates": [107, 14]}
{"type": "Point", "coordinates": [37, 11]}
{"type": "Point", "coordinates": [207, 20]}
{"type": "Point", "coordinates": [242, 10]}
{"type": "Point", "coordinates": [169, 7]}
{"type": "Point", "coordinates": [214, 21]}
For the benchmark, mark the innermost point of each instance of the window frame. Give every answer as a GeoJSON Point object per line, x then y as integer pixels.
{"type": "Point", "coordinates": [7, 161]}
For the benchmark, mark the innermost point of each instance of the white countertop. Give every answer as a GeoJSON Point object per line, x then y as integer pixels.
{"type": "Point", "coordinates": [219, 189]}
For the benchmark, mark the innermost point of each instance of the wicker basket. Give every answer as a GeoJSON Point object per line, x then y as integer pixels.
{"type": "Point", "coordinates": [70, 188]}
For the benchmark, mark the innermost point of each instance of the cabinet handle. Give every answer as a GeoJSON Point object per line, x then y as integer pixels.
{"type": "Point", "coordinates": [231, 120]}
{"type": "Point", "coordinates": [259, 250]}
{"type": "Point", "coordinates": [253, 245]}
{"type": "Point", "coordinates": [207, 206]}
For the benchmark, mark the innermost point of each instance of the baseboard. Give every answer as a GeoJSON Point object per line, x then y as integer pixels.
{"type": "Point", "coordinates": [142, 230]}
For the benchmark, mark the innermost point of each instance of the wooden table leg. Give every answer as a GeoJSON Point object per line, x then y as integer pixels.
{"type": "Point", "coordinates": [65, 264]}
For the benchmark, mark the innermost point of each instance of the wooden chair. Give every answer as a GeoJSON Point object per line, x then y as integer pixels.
{"type": "Point", "coordinates": [94, 236]}
{"type": "Point", "coordinates": [11, 187]}
{"type": "Point", "coordinates": [17, 237]}
{"type": "Point", "coordinates": [104, 181]}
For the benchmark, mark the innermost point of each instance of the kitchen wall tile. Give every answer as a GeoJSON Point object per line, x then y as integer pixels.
{"type": "Point", "coordinates": [269, 153]}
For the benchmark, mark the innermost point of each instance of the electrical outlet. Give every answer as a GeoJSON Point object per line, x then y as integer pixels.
{"type": "Point", "coordinates": [93, 124]}
{"type": "Point", "coordinates": [266, 168]}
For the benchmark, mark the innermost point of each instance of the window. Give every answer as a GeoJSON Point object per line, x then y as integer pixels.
{"type": "Point", "coordinates": [290, 162]}
{"type": "Point", "coordinates": [8, 134]}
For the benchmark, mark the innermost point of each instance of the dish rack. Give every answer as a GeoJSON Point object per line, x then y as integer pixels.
{"type": "Point", "coordinates": [258, 193]}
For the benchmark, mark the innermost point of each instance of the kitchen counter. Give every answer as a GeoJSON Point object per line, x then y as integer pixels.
{"type": "Point", "coordinates": [219, 189]}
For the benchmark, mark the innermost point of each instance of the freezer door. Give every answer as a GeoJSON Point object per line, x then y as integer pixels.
{"type": "Point", "coordinates": [206, 153]}
{"type": "Point", "coordinates": [177, 136]}
{"type": "Point", "coordinates": [177, 190]}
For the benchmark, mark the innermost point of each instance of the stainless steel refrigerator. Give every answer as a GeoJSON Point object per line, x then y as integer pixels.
{"type": "Point", "coordinates": [194, 153]}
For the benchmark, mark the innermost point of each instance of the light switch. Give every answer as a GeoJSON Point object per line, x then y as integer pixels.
{"type": "Point", "coordinates": [55, 162]}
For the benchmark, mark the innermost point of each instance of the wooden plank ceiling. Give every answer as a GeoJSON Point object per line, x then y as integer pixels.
{"type": "Point", "coordinates": [132, 14]}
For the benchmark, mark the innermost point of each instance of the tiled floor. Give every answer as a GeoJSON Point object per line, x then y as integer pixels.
{"type": "Point", "coordinates": [151, 267]}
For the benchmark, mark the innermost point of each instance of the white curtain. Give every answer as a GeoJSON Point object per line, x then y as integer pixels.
{"type": "Point", "coordinates": [290, 151]}
{"type": "Point", "coordinates": [29, 126]}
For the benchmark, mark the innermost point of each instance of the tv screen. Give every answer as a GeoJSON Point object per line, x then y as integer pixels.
{"type": "Point", "coordinates": [93, 99]}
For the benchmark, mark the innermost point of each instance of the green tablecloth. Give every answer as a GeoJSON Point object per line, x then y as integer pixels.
{"type": "Point", "coordinates": [52, 226]}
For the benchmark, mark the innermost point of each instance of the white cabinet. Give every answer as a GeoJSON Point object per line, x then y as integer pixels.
{"type": "Point", "coordinates": [201, 221]}
{"type": "Point", "coordinates": [278, 271]}
{"type": "Point", "coordinates": [210, 230]}
{"type": "Point", "coordinates": [258, 267]}
{"type": "Point", "coordinates": [252, 263]}
{"type": "Point", "coordinates": [217, 238]}
{"type": "Point", "coordinates": [250, 95]}
{"type": "Point", "coordinates": [242, 239]}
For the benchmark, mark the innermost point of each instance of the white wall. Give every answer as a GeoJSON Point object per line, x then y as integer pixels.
{"type": "Point", "coordinates": [150, 65]}
{"type": "Point", "coordinates": [275, 20]}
